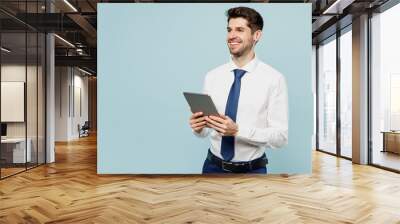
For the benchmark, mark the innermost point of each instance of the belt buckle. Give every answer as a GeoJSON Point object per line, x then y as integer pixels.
{"type": "Point", "coordinates": [223, 166]}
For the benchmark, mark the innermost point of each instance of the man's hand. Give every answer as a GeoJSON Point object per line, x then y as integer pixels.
{"type": "Point", "coordinates": [223, 124]}
{"type": "Point", "coordinates": [197, 122]}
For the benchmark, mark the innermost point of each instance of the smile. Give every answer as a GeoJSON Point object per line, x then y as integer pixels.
{"type": "Point", "coordinates": [234, 43]}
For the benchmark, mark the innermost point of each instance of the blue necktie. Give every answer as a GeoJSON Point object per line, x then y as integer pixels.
{"type": "Point", "coordinates": [228, 142]}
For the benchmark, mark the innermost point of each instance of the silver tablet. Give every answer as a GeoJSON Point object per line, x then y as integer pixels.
{"type": "Point", "coordinates": [201, 103]}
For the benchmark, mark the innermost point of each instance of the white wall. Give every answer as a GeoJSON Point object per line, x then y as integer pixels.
{"type": "Point", "coordinates": [15, 72]}
{"type": "Point", "coordinates": [9, 73]}
{"type": "Point", "coordinates": [62, 81]}
{"type": "Point", "coordinates": [33, 127]}
{"type": "Point", "coordinates": [71, 93]}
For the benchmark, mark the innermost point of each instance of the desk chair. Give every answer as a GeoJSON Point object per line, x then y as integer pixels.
{"type": "Point", "coordinates": [84, 130]}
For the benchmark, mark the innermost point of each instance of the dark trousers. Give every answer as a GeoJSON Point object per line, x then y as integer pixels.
{"type": "Point", "coordinates": [208, 167]}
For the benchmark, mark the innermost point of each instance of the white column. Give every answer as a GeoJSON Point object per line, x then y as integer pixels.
{"type": "Point", "coordinates": [50, 91]}
{"type": "Point", "coordinates": [50, 100]}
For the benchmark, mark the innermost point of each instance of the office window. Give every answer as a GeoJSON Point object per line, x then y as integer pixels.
{"type": "Point", "coordinates": [327, 96]}
{"type": "Point", "coordinates": [395, 101]}
{"type": "Point", "coordinates": [385, 87]}
{"type": "Point", "coordinates": [346, 93]}
{"type": "Point", "coordinates": [314, 83]}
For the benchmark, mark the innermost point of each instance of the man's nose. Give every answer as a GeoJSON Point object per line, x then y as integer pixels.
{"type": "Point", "coordinates": [232, 35]}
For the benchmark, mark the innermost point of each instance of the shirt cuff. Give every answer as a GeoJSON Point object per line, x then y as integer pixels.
{"type": "Point", "coordinates": [244, 132]}
{"type": "Point", "coordinates": [202, 134]}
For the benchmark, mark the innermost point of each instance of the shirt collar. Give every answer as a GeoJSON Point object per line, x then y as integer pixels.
{"type": "Point", "coordinates": [249, 67]}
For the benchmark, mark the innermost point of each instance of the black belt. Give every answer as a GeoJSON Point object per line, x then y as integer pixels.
{"type": "Point", "coordinates": [238, 167]}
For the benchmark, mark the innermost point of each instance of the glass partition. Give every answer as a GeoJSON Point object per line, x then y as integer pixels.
{"type": "Point", "coordinates": [22, 63]}
{"type": "Point", "coordinates": [32, 94]}
{"type": "Point", "coordinates": [14, 153]}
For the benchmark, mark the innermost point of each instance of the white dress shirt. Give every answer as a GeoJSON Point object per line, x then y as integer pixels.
{"type": "Point", "coordinates": [262, 114]}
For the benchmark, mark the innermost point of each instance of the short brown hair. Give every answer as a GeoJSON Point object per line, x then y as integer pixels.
{"type": "Point", "coordinates": [254, 19]}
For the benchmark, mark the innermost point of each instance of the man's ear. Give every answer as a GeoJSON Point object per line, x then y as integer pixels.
{"type": "Point", "coordinates": [257, 35]}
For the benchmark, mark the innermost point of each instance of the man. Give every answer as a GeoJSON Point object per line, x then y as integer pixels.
{"type": "Point", "coordinates": [254, 98]}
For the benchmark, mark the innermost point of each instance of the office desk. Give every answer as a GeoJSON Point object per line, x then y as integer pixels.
{"type": "Point", "coordinates": [391, 141]}
{"type": "Point", "coordinates": [13, 150]}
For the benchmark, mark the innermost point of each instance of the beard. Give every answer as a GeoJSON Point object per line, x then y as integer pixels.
{"type": "Point", "coordinates": [241, 51]}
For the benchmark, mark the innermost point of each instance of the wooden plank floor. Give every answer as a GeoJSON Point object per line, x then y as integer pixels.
{"type": "Point", "coordinates": [70, 191]}
{"type": "Point", "coordinates": [5, 172]}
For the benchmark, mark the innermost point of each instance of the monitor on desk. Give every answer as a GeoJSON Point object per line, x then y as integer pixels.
{"type": "Point", "coordinates": [3, 130]}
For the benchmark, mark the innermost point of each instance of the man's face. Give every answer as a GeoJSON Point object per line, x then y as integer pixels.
{"type": "Point", "coordinates": [240, 39]}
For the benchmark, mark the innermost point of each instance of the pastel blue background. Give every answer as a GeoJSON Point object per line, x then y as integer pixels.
{"type": "Point", "coordinates": [148, 54]}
